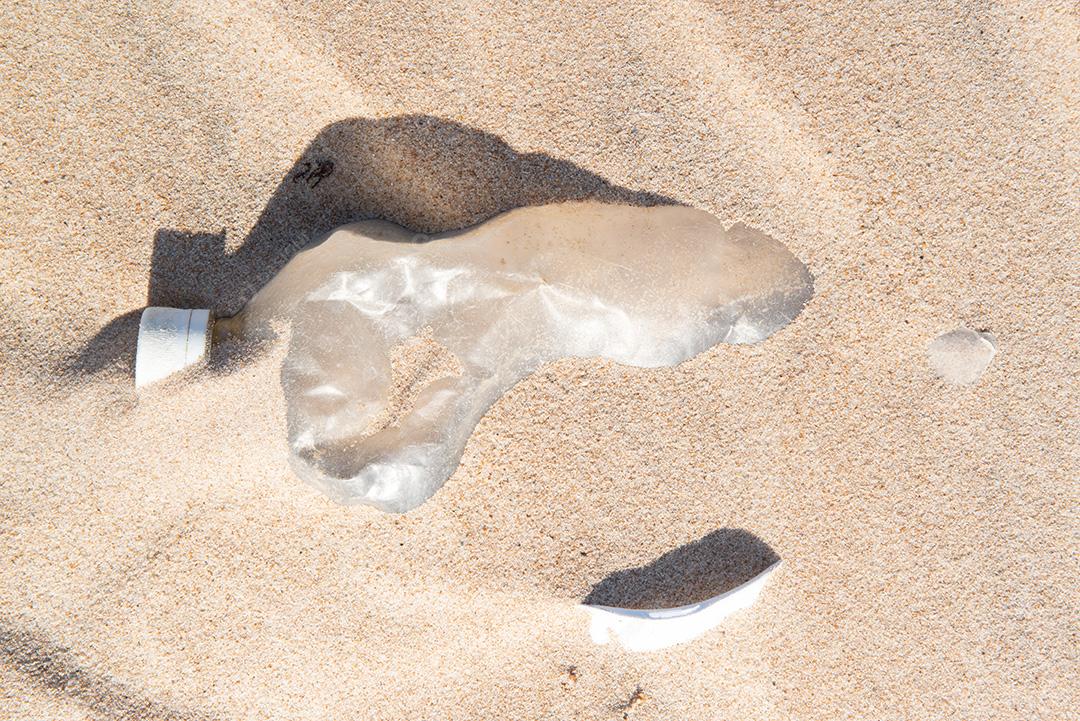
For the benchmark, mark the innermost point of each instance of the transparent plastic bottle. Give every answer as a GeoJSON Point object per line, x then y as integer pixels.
{"type": "Point", "coordinates": [641, 286]}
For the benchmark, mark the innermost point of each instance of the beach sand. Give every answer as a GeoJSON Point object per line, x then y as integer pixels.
{"type": "Point", "coordinates": [158, 559]}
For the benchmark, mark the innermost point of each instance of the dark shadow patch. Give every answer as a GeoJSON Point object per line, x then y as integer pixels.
{"type": "Point", "coordinates": [715, 564]}
{"type": "Point", "coordinates": [112, 349]}
{"type": "Point", "coordinates": [51, 666]}
{"type": "Point", "coordinates": [421, 172]}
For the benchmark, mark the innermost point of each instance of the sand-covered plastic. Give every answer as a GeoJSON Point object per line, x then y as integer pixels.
{"type": "Point", "coordinates": [641, 286]}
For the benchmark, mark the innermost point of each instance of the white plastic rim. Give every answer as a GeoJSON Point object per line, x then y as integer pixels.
{"type": "Point", "coordinates": [650, 630]}
{"type": "Point", "coordinates": [170, 339]}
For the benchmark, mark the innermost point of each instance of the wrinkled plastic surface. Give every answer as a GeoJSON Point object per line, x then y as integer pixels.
{"type": "Point", "coordinates": [641, 286]}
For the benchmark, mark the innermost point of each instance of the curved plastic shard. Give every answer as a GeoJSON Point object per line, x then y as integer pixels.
{"type": "Point", "coordinates": [640, 286]}
{"type": "Point", "coordinates": [654, 629]}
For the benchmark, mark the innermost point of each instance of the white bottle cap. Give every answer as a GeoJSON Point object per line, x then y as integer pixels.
{"type": "Point", "coordinates": [170, 339]}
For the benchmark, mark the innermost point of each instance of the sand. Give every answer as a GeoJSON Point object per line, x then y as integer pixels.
{"type": "Point", "coordinates": [159, 560]}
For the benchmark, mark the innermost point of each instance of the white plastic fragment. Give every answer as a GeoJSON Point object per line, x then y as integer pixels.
{"type": "Point", "coordinates": [650, 630]}
{"type": "Point", "coordinates": [170, 339]}
{"type": "Point", "coordinates": [961, 356]}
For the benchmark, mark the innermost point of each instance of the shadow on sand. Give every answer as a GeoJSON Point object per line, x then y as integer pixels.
{"type": "Point", "coordinates": [421, 172]}
{"type": "Point", "coordinates": [54, 668]}
{"type": "Point", "coordinates": [715, 564]}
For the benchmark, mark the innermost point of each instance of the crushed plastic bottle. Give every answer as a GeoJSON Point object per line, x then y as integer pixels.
{"type": "Point", "coordinates": [640, 286]}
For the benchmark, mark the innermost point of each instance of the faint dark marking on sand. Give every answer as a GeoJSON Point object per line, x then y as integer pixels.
{"type": "Point", "coordinates": [313, 172]}
{"type": "Point", "coordinates": [127, 574]}
{"type": "Point", "coordinates": [53, 667]}
{"type": "Point", "coordinates": [637, 698]}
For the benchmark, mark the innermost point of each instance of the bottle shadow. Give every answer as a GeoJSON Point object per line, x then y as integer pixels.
{"type": "Point", "coordinates": [695, 572]}
{"type": "Point", "coordinates": [425, 173]}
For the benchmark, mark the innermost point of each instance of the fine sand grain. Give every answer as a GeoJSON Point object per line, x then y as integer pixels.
{"type": "Point", "coordinates": [158, 560]}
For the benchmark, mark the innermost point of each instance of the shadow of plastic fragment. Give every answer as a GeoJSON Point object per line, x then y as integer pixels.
{"type": "Point", "coordinates": [681, 595]}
